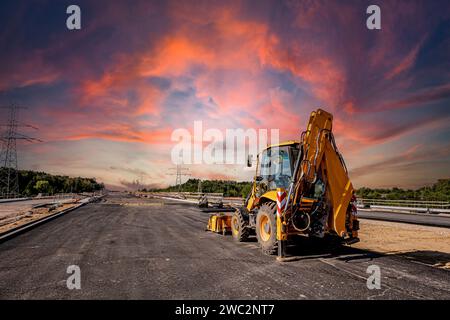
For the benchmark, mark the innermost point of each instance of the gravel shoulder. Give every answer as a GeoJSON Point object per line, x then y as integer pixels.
{"type": "Point", "coordinates": [430, 245]}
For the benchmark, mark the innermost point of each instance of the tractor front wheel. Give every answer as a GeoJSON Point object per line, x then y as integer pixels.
{"type": "Point", "coordinates": [266, 228]}
{"type": "Point", "coordinates": [239, 227]}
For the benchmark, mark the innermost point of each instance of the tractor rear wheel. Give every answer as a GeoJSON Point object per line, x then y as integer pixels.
{"type": "Point", "coordinates": [266, 228]}
{"type": "Point", "coordinates": [239, 227]}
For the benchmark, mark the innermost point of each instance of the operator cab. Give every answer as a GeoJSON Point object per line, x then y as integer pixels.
{"type": "Point", "coordinates": [276, 167]}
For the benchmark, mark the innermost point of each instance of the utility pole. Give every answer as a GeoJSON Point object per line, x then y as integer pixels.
{"type": "Point", "coordinates": [9, 175]}
{"type": "Point", "coordinates": [140, 182]}
{"type": "Point", "coordinates": [199, 187]}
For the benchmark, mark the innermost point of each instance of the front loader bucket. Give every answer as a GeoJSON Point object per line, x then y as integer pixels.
{"type": "Point", "coordinates": [219, 223]}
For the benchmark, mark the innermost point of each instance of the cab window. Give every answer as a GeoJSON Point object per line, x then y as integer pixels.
{"type": "Point", "coordinates": [276, 167]}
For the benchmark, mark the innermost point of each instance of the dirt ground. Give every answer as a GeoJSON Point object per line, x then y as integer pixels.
{"type": "Point", "coordinates": [429, 245]}
{"type": "Point", "coordinates": [32, 215]}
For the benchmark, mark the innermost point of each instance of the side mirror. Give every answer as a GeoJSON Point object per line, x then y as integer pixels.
{"type": "Point", "coordinates": [259, 178]}
{"type": "Point", "coordinates": [249, 160]}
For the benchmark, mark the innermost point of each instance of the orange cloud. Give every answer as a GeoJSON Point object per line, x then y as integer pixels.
{"type": "Point", "coordinates": [232, 54]}
{"type": "Point", "coordinates": [127, 134]}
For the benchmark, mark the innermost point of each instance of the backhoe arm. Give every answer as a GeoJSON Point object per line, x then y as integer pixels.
{"type": "Point", "coordinates": [322, 160]}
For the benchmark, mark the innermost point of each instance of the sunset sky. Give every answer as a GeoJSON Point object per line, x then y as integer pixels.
{"type": "Point", "coordinates": [106, 98]}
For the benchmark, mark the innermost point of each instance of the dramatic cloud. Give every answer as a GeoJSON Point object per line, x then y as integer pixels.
{"type": "Point", "coordinates": [138, 70]}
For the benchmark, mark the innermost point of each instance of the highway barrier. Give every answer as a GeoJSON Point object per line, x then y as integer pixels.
{"type": "Point", "coordinates": [405, 205]}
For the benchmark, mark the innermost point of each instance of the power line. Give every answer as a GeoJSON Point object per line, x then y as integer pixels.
{"type": "Point", "coordinates": [9, 175]}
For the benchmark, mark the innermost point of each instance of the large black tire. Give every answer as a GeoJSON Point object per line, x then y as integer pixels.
{"type": "Point", "coordinates": [239, 227]}
{"type": "Point", "coordinates": [266, 228]}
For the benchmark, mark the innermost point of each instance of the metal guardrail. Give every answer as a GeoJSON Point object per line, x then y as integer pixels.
{"type": "Point", "coordinates": [377, 204]}
{"type": "Point", "coordinates": [413, 206]}
{"type": "Point", "coordinates": [404, 203]}
{"type": "Point", "coordinates": [182, 195]}
{"type": "Point", "coordinates": [411, 209]}
{"type": "Point", "coordinates": [212, 198]}
{"type": "Point", "coordinates": [13, 200]}
{"type": "Point", "coordinates": [55, 196]}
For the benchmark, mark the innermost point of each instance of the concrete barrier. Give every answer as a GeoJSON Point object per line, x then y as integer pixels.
{"type": "Point", "coordinates": [14, 200]}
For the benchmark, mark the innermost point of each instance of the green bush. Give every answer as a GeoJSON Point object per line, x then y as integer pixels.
{"type": "Point", "coordinates": [32, 182]}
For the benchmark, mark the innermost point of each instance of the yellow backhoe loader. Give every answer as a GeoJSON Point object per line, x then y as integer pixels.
{"type": "Point", "coordinates": [300, 188]}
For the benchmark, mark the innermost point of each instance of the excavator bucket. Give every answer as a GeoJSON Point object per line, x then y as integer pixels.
{"type": "Point", "coordinates": [219, 223]}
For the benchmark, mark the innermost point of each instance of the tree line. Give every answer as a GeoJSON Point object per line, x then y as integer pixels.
{"type": "Point", "coordinates": [227, 187]}
{"type": "Point", "coordinates": [439, 191]}
{"type": "Point", "coordinates": [32, 183]}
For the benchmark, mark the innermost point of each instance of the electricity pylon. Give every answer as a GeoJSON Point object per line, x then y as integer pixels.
{"type": "Point", "coordinates": [9, 174]}
{"type": "Point", "coordinates": [180, 172]}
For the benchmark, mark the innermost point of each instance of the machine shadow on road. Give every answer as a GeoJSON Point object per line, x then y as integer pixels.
{"type": "Point", "coordinates": [429, 257]}
{"type": "Point", "coordinates": [302, 248]}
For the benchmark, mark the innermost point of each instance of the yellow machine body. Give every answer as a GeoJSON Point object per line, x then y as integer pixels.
{"type": "Point", "coordinates": [320, 156]}
{"type": "Point", "coordinates": [318, 195]}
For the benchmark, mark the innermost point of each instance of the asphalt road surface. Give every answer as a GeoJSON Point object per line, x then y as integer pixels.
{"type": "Point", "coordinates": [422, 219]}
{"type": "Point", "coordinates": [129, 248]}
